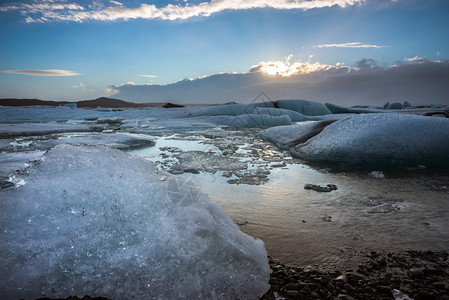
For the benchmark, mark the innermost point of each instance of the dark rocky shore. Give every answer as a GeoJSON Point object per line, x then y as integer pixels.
{"type": "Point", "coordinates": [418, 275]}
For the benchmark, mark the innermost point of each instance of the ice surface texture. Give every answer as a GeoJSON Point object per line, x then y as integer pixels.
{"type": "Point", "coordinates": [377, 138]}
{"type": "Point", "coordinates": [28, 129]}
{"type": "Point", "coordinates": [288, 136]}
{"type": "Point", "coordinates": [305, 107]}
{"type": "Point", "coordinates": [93, 220]}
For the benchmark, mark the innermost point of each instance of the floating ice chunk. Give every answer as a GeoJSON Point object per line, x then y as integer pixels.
{"type": "Point", "coordinates": [109, 120]}
{"type": "Point", "coordinates": [228, 109]}
{"type": "Point", "coordinates": [97, 221]}
{"type": "Point", "coordinates": [398, 295]}
{"type": "Point", "coordinates": [337, 109]}
{"type": "Point", "coordinates": [12, 162]}
{"type": "Point", "coordinates": [305, 107]}
{"type": "Point", "coordinates": [395, 105]}
{"type": "Point", "coordinates": [119, 140]}
{"type": "Point", "coordinates": [29, 129]}
{"type": "Point", "coordinates": [71, 105]}
{"type": "Point", "coordinates": [255, 120]}
{"type": "Point", "coordinates": [173, 125]}
{"type": "Point", "coordinates": [289, 136]}
{"type": "Point", "coordinates": [377, 174]}
{"type": "Point", "coordinates": [294, 116]}
{"type": "Point", "coordinates": [196, 161]}
{"type": "Point", "coordinates": [380, 138]}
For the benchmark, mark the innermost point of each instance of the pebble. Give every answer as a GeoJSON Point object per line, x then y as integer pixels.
{"type": "Point", "coordinates": [418, 275]}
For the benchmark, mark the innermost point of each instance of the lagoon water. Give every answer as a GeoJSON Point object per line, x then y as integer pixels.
{"type": "Point", "coordinates": [392, 208]}
{"type": "Point", "coordinates": [375, 207]}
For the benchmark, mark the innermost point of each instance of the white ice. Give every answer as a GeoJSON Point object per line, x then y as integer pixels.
{"type": "Point", "coordinates": [96, 221]}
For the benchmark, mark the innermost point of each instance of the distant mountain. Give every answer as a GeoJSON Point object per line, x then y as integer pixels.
{"type": "Point", "coordinates": [103, 102]}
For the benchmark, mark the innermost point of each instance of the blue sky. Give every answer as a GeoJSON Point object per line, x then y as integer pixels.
{"type": "Point", "coordinates": [90, 49]}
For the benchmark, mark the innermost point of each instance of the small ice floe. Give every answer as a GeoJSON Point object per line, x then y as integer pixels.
{"type": "Point", "coordinates": [380, 204]}
{"type": "Point", "coordinates": [377, 174]}
{"type": "Point", "coordinates": [205, 161]}
{"type": "Point", "coordinates": [30, 129]}
{"type": "Point", "coordinates": [398, 295]}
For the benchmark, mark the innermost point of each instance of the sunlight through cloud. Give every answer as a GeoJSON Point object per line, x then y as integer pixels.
{"type": "Point", "coordinates": [287, 68]}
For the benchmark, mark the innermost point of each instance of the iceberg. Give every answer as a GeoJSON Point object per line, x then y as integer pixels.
{"type": "Point", "coordinates": [118, 140]}
{"type": "Point", "coordinates": [227, 109]}
{"type": "Point", "coordinates": [30, 129]}
{"type": "Point", "coordinates": [255, 120]}
{"type": "Point", "coordinates": [380, 138]}
{"type": "Point", "coordinates": [294, 116]}
{"type": "Point", "coordinates": [288, 136]}
{"type": "Point", "coordinates": [90, 220]}
{"type": "Point", "coordinates": [305, 107]}
{"type": "Point", "coordinates": [337, 109]}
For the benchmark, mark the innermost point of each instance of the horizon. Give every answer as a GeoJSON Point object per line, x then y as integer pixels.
{"type": "Point", "coordinates": [204, 52]}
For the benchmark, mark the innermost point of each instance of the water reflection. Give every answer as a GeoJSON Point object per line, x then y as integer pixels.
{"type": "Point", "coordinates": [304, 227]}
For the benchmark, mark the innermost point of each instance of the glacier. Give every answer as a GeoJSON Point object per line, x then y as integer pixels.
{"type": "Point", "coordinates": [91, 220]}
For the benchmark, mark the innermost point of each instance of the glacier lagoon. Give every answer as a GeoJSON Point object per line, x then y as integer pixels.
{"type": "Point", "coordinates": [396, 204]}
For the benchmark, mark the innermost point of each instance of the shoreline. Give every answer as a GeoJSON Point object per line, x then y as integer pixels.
{"type": "Point", "coordinates": [418, 275]}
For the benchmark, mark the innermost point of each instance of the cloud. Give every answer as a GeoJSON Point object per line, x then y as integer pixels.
{"type": "Point", "coordinates": [365, 83]}
{"type": "Point", "coordinates": [80, 86]}
{"type": "Point", "coordinates": [150, 76]}
{"type": "Point", "coordinates": [287, 68]}
{"type": "Point", "coordinates": [416, 58]}
{"type": "Point", "coordinates": [351, 45]}
{"type": "Point", "coordinates": [50, 72]}
{"type": "Point", "coordinates": [60, 11]}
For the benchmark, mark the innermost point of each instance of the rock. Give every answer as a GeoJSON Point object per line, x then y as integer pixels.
{"type": "Point", "coordinates": [425, 295]}
{"type": "Point", "coordinates": [416, 273]}
{"type": "Point", "coordinates": [345, 297]}
{"type": "Point", "coordinates": [342, 278]}
{"type": "Point", "coordinates": [349, 288]}
{"type": "Point", "coordinates": [318, 188]}
{"type": "Point", "coordinates": [440, 285]}
{"type": "Point", "coordinates": [356, 275]}
{"type": "Point", "coordinates": [384, 289]}
{"type": "Point", "coordinates": [292, 293]}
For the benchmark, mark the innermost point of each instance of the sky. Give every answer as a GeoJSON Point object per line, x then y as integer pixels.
{"type": "Point", "coordinates": [196, 51]}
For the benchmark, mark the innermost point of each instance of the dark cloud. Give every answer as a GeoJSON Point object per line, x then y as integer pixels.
{"type": "Point", "coordinates": [419, 82]}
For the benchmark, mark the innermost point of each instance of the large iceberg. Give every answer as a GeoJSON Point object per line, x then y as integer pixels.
{"type": "Point", "coordinates": [288, 136]}
{"type": "Point", "coordinates": [97, 221]}
{"type": "Point", "coordinates": [255, 120]}
{"type": "Point", "coordinates": [305, 107]}
{"type": "Point", "coordinates": [294, 116]}
{"type": "Point", "coordinates": [376, 138]}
